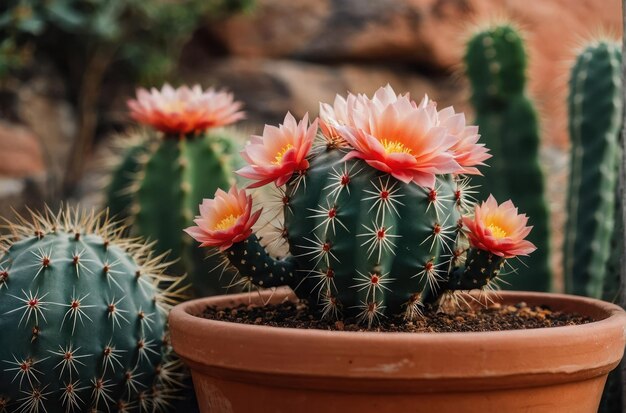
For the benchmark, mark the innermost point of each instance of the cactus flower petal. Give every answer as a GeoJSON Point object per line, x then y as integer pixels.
{"type": "Point", "coordinates": [499, 229]}
{"type": "Point", "coordinates": [467, 151]}
{"type": "Point", "coordinates": [396, 135]}
{"type": "Point", "coordinates": [281, 151]}
{"type": "Point", "coordinates": [184, 110]}
{"type": "Point", "coordinates": [339, 114]}
{"type": "Point", "coordinates": [224, 220]}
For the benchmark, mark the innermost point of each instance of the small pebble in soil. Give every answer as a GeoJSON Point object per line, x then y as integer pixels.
{"type": "Point", "coordinates": [495, 317]}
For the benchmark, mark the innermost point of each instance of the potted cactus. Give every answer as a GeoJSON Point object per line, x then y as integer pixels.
{"type": "Point", "coordinates": [380, 223]}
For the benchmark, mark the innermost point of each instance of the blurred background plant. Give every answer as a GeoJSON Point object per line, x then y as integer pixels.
{"type": "Point", "coordinates": [86, 40]}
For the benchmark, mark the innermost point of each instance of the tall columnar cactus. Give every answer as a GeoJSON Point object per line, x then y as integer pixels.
{"type": "Point", "coordinates": [373, 214]}
{"type": "Point", "coordinates": [160, 178]}
{"type": "Point", "coordinates": [593, 237]}
{"type": "Point", "coordinates": [595, 121]}
{"type": "Point", "coordinates": [82, 319]}
{"type": "Point", "coordinates": [496, 66]}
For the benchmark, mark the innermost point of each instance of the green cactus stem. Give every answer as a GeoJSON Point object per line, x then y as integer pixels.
{"type": "Point", "coordinates": [157, 185]}
{"type": "Point", "coordinates": [595, 121]}
{"type": "Point", "coordinates": [82, 318]}
{"type": "Point", "coordinates": [496, 67]}
{"type": "Point", "coordinates": [130, 151]}
{"type": "Point", "coordinates": [364, 244]}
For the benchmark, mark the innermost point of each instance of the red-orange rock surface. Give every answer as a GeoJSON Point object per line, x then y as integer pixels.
{"type": "Point", "coordinates": [429, 33]}
{"type": "Point", "coordinates": [20, 152]}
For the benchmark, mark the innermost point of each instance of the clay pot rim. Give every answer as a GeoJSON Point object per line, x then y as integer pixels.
{"type": "Point", "coordinates": [568, 352]}
{"type": "Point", "coordinates": [606, 313]}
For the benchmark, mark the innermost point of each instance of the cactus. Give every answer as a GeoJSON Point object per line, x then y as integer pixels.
{"type": "Point", "coordinates": [595, 121]}
{"type": "Point", "coordinates": [83, 322]}
{"type": "Point", "coordinates": [125, 165]}
{"type": "Point", "coordinates": [364, 240]}
{"type": "Point", "coordinates": [496, 67]}
{"type": "Point", "coordinates": [593, 237]}
{"type": "Point", "coordinates": [159, 179]}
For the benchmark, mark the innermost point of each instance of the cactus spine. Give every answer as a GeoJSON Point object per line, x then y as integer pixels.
{"type": "Point", "coordinates": [83, 322]}
{"type": "Point", "coordinates": [157, 185]}
{"type": "Point", "coordinates": [496, 66]}
{"type": "Point", "coordinates": [593, 238]}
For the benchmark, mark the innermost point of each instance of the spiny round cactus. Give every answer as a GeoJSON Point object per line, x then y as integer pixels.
{"type": "Point", "coordinates": [82, 318]}
{"type": "Point", "coordinates": [160, 178]}
{"type": "Point", "coordinates": [373, 215]}
{"type": "Point", "coordinates": [352, 223]}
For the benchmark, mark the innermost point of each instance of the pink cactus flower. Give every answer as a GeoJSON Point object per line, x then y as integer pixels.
{"type": "Point", "coordinates": [184, 110]}
{"type": "Point", "coordinates": [280, 152]}
{"type": "Point", "coordinates": [225, 219]}
{"type": "Point", "coordinates": [467, 151]}
{"type": "Point", "coordinates": [395, 135]}
{"type": "Point", "coordinates": [339, 114]}
{"type": "Point", "coordinates": [499, 229]}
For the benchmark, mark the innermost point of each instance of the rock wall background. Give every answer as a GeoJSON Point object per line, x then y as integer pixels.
{"type": "Point", "coordinates": [290, 54]}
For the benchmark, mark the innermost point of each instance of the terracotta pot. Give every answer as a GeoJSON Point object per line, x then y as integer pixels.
{"type": "Point", "coordinates": [247, 368]}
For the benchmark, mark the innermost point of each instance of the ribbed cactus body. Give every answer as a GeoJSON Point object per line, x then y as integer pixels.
{"type": "Point", "coordinates": [595, 113]}
{"type": "Point", "coordinates": [121, 188]}
{"type": "Point", "coordinates": [375, 226]}
{"type": "Point", "coordinates": [82, 327]}
{"type": "Point", "coordinates": [364, 244]}
{"type": "Point", "coordinates": [170, 178]}
{"type": "Point", "coordinates": [496, 67]}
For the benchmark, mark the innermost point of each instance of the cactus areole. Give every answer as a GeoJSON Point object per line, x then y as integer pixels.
{"type": "Point", "coordinates": [375, 211]}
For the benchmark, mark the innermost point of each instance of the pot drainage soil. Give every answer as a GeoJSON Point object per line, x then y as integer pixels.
{"type": "Point", "coordinates": [496, 317]}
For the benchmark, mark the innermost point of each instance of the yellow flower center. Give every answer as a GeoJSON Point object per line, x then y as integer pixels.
{"type": "Point", "coordinates": [226, 223]}
{"type": "Point", "coordinates": [496, 231]}
{"type": "Point", "coordinates": [395, 147]}
{"type": "Point", "coordinates": [281, 153]}
{"type": "Point", "coordinates": [174, 106]}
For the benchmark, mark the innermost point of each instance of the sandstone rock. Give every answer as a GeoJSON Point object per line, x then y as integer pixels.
{"type": "Point", "coordinates": [51, 117]}
{"type": "Point", "coordinates": [328, 30]}
{"type": "Point", "coordinates": [269, 88]}
{"type": "Point", "coordinates": [21, 154]}
{"type": "Point", "coordinates": [23, 173]}
{"type": "Point", "coordinates": [39, 103]}
{"type": "Point", "coordinates": [18, 194]}
{"type": "Point", "coordinates": [430, 33]}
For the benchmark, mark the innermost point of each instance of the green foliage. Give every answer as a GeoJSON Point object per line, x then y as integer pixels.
{"type": "Point", "coordinates": [147, 34]}
{"type": "Point", "coordinates": [83, 324]}
{"type": "Point", "coordinates": [364, 244]}
{"type": "Point", "coordinates": [11, 58]}
{"type": "Point", "coordinates": [496, 67]}
{"type": "Point", "coordinates": [157, 185]}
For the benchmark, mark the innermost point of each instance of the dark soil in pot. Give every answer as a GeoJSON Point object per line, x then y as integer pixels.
{"type": "Point", "coordinates": [494, 317]}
